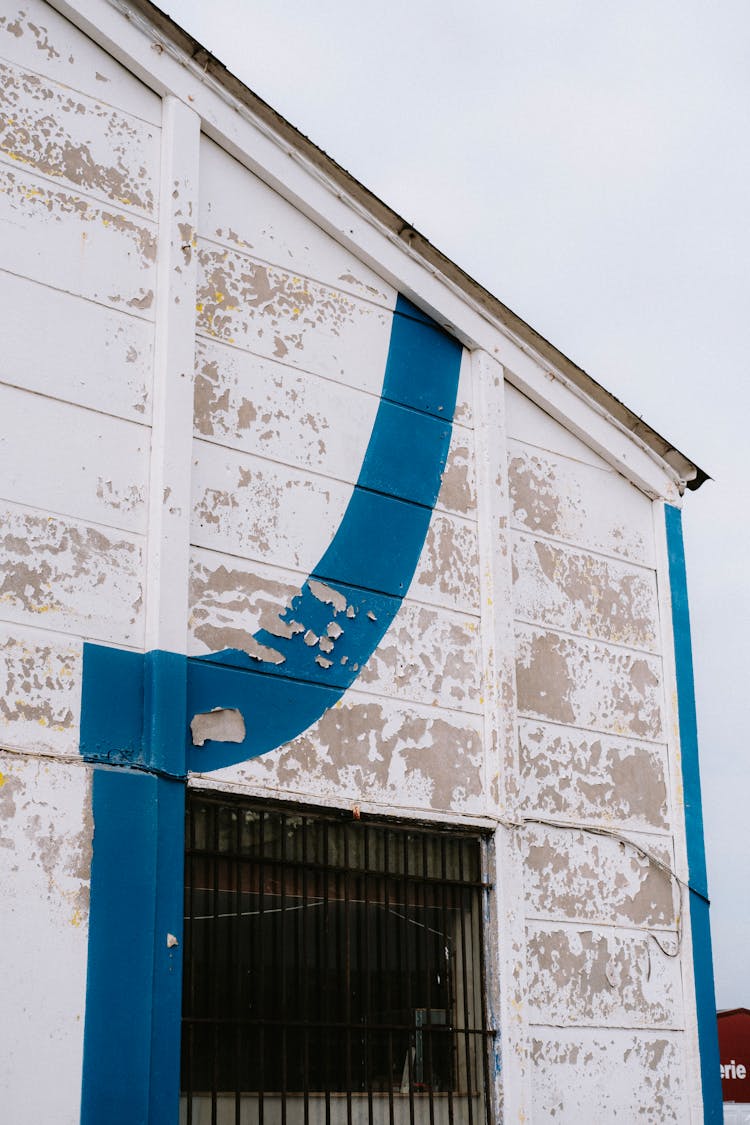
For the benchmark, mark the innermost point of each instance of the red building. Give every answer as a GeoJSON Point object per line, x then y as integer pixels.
{"type": "Point", "coordinates": [734, 1052]}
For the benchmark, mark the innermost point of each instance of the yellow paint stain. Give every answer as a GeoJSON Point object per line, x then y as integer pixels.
{"type": "Point", "coordinates": [199, 306]}
{"type": "Point", "coordinates": [2, 780]}
{"type": "Point", "coordinates": [219, 296]}
{"type": "Point", "coordinates": [76, 918]}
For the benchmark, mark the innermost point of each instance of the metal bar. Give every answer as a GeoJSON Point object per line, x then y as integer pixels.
{"type": "Point", "coordinates": [334, 869]}
{"type": "Point", "coordinates": [406, 978]}
{"type": "Point", "coordinates": [347, 979]}
{"type": "Point", "coordinates": [237, 926]}
{"type": "Point", "coordinates": [214, 944]}
{"type": "Point", "coordinates": [282, 952]}
{"type": "Point", "coordinates": [305, 986]}
{"type": "Point", "coordinates": [335, 945]}
{"type": "Point", "coordinates": [428, 988]}
{"type": "Point", "coordinates": [261, 955]}
{"type": "Point", "coordinates": [387, 965]}
{"type": "Point", "coordinates": [365, 963]}
{"type": "Point", "coordinates": [448, 946]}
{"type": "Point", "coordinates": [325, 951]}
{"type": "Point", "coordinates": [464, 980]}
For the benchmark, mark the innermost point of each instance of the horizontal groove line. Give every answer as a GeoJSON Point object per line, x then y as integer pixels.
{"type": "Point", "coordinates": [417, 705]}
{"type": "Point", "coordinates": [30, 170]}
{"type": "Point", "coordinates": [590, 730]}
{"type": "Point", "coordinates": [95, 525]}
{"type": "Point", "coordinates": [517, 528]}
{"type": "Point", "coordinates": [26, 69]}
{"type": "Point", "coordinates": [319, 474]}
{"type": "Point", "coordinates": [377, 395]}
{"type": "Point", "coordinates": [390, 310]}
{"type": "Point", "coordinates": [76, 405]}
{"type": "Point", "coordinates": [149, 321]}
{"type": "Point", "coordinates": [558, 629]}
{"type": "Point", "coordinates": [72, 638]}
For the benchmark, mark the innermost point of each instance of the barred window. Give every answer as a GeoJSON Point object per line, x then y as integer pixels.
{"type": "Point", "coordinates": [334, 971]}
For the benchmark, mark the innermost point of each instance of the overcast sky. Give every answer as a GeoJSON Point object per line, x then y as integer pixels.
{"type": "Point", "coordinates": [589, 163]}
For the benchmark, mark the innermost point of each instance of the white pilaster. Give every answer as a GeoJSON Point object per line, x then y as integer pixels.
{"type": "Point", "coordinates": [507, 956]}
{"type": "Point", "coordinates": [172, 435]}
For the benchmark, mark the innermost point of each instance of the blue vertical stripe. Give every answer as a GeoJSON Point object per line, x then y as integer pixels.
{"type": "Point", "coordinates": [713, 1111]}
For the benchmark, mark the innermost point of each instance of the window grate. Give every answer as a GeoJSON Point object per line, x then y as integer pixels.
{"type": "Point", "coordinates": [334, 971]}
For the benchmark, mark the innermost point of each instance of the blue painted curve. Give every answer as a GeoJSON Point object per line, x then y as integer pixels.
{"type": "Point", "coordinates": [354, 592]}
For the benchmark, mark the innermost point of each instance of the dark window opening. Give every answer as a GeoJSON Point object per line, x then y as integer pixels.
{"type": "Point", "coordinates": [334, 969]}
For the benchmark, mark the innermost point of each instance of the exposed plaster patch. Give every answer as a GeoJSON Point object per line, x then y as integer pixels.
{"type": "Point", "coordinates": [328, 596]}
{"type": "Point", "coordinates": [584, 594]}
{"type": "Point", "coordinates": [78, 575]}
{"type": "Point", "coordinates": [600, 977]}
{"type": "Point", "coordinates": [222, 724]}
{"type": "Point", "coordinates": [378, 751]}
{"type": "Point", "coordinates": [458, 488]}
{"type": "Point", "coordinates": [586, 684]}
{"type": "Point", "coordinates": [238, 297]}
{"type": "Point", "coordinates": [580, 877]}
{"type": "Point", "coordinates": [230, 603]}
{"type": "Point", "coordinates": [40, 126]}
{"type": "Point", "coordinates": [573, 774]}
{"type": "Point", "coordinates": [449, 564]}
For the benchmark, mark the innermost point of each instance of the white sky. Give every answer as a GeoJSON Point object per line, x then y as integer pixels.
{"type": "Point", "coordinates": [589, 163]}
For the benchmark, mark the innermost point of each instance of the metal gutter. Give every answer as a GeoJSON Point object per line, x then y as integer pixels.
{"type": "Point", "coordinates": [491, 306]}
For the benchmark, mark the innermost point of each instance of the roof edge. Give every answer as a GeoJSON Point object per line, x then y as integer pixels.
{"type": "Point", "coordinates": [687, 470]}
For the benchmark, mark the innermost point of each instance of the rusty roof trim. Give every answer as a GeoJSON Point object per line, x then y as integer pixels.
{"type": "Point", "coordinates": [687, 470]}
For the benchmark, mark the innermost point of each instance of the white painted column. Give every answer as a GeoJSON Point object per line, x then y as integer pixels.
{"type": "Point", "coordinates": [172, 434]}
{"type": "Point", "coordinates": [507, 962]}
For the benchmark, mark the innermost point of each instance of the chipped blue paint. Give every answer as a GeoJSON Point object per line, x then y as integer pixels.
{"type": "Point", "coordinates": [356, 589]}
{"type": "Point", "coordinates": [700, 927]}
{"type": "Point", "coordinates": [136, 710]}
{"type": "Point", "coordinates": [131, 1044]}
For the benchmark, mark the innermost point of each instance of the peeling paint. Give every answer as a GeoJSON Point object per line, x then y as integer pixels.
{"type": "Point", "coordinates": [378, 751]}
{"type": "Point", "coordinates": [228, 603]}
{"type": "Point", "coordinates": [271, 410]}
{"type": "Point", "coordinates": [428, 656]}
{"type": "Point", "coordinates": [274, 312]}
{"type": "Point", "coordinates": [584, 593]}
{"type": "Point", "coordinates": [458, 489]}
{"type": "Point", "coordinates": [573, 774]}
{"type": "Point", "coordinates": [584, 505]}
{"type": "Point", "coordinates": [257, 509]}
{"type": "Point", "coordinates": [580, 877]}
{"type": "Point", "coordinates": [70, 242]}
{"type": "Point", "coordinates": [579, 1077]}
{"type": "Point", "coordinates": [63, 574]}
{"type": "Point", "coordinates": [223, 724]}
{"type": "Point", "coordinates": [448, 571]}
{"type": "Point", "coordinates": [66, 136]}
{"type": "Point", "coordinates": [600, 977]}
{"type": "Point", "coordinates": [587, 684]}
